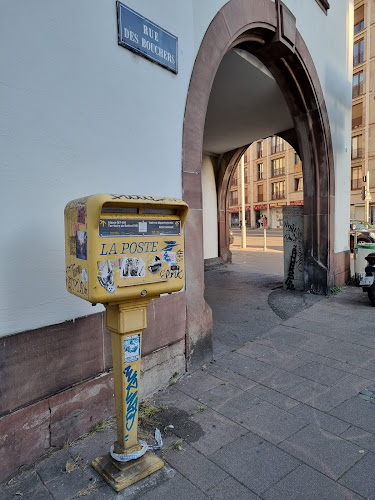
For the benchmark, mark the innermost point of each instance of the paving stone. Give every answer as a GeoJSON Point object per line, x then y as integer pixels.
{"type": "Point", "coordinates": [357, 412]}
{"type": "Point", "coordinates": [306, 392]}
{"type": "Point", "coordinates": [330, 399]}
{"type": "Point", "coordinates": [361, 477]}
{"type": "Point", "coordinates": [176, 488]}
{"type": "Point", "coordinates": [219, 396]}
{"type": "Point", "coordinates": [54, 465]}
{"type": "Point", "coordinates": [257, 464]}
{"type": "Point", "coordinates": [66, 485]}
{"type": "Point", "coordinates": [363, 439]}
{"type": "Point", "coordinates": [354, 354]}
{"type": "Point", "coordinates": [308, 325]}
{"type": "Point", "coordinates": [320, 419]}
{"type": "Point", "coordinates": [171, 396]}
{"type": "Point", "coordinates": [274, 397]}
{"type": "Point", "coordinates": [133, 492]}
{"type": "Point", "coordinates": [236, 406]}
{"type": "Point", "coordinates": [279, 379]}
{"type": "Point", "coordinates": [195, 467]}
{"type": "Point", "coordinates": [230, 488]}
{"type": "Point", "coordinates": [26, 485]}
{"type": "Point", "coordinates": [352, 384]}
{"type": "Point", "coordinates": [322, 450]}
{"type": "Point", "coordinates": [93, 446]}
{"type": "Point", "coordinates": [272, 356]}
{"type": "Point", "coordinates": [316, 372]}
{"type": "Point", "coordinates": [308, 484]}
{"type": "Point", "coordinates": [196, 383]}
{"type": "Point", "coordinates": [221, 349]}
{"type": "Point", "coordinates": [290, 336]}
{"type": "Point", "coordinates": [217, 431]}
{"type": "Point", "coordinates": [233, 378]}
{"type": "Point", "coordinates": [270, 422]}
{"type": "Point", "coordinates": [245, 366]}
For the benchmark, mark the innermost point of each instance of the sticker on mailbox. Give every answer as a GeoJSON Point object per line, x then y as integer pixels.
{"type": "Point", "coordinates": [133, 267]}
{"type": "Point", "coordinates": [139, 227]}
{"type": "Point", "coordinates": [132, 348]}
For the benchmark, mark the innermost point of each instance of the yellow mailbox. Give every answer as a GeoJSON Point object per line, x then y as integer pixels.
{"type": "Point", "coordinates": [124, 246]}
{"type": "Point", "coordinates": [122, 251]}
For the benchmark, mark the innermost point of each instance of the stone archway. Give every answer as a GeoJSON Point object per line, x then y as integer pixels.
{"type": "Point", "coordinates": [268, 31]}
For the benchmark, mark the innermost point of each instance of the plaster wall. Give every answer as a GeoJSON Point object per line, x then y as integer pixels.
{"type": "Point", "coordinates": [209, 199]}
{"type": "Point", "coordinates": [80, 115]}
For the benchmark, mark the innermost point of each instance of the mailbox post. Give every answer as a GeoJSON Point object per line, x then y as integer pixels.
{"type": "Point", "coordinates": [122, 251]}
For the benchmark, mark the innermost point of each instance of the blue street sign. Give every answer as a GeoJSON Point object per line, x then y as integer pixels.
{"type": "Point", "coordinates": [140, 35]}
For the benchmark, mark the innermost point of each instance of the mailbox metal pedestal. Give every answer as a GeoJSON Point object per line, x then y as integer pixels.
{"type": "Point", "coordinates": [126, 321]}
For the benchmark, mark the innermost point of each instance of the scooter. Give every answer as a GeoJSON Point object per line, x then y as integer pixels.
{"type": "Point", "coordinates": [368, 282]}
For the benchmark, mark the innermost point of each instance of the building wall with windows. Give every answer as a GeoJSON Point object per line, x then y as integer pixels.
{"type": "Point", "coordinates": [363, 109]}
{"type": "Point", "coordinates": [273, 178]}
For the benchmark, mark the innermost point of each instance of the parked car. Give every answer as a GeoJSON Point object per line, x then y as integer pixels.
{"type": "Point", "coordinates": [365, 232]}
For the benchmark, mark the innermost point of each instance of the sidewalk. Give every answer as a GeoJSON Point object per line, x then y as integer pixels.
{"type": "Point", "coordinates": [286, 410]}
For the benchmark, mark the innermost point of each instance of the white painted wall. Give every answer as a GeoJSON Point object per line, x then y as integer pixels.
{"type": "Point", "coordinates": [209, 198]}
{"type": "Point", "coordinates": [81, 115]}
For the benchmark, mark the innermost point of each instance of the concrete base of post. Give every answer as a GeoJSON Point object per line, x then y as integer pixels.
{"type": "Point", "coordinates": [120, 475]}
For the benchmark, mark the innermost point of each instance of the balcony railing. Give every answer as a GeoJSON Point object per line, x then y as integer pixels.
{"type": "Point", "coordinates": [277, 148]}
{"type": "Point", "coordinates": [277, 172]}
{"type": "Point", "coordinates": [358, 59]}
{"type": "Point", "coordinates": [279, 195]}
{"type": "Point", "coordinates": [357, 90]}
{"type": "Point", "coordinates": [357, 153]}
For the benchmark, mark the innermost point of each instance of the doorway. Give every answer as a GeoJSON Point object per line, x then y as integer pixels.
{"type": "Point", "coordinates": [245, 33]}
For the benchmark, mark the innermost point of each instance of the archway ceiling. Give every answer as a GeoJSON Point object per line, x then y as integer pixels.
{"type": "Point", "coordinates": [245, 104]}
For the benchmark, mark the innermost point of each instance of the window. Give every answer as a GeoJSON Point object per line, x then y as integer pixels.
{"type": "Point", "coordinates": [358, 52]}
{"type": "Point", "coordinates": [357, 115]}
{"type": "Point", "coordinates": [246, 198]}
{"type": "Point", "coordinates": [298, 184]}
{"type": "Point", "coordinates": [259, 149]}
{"type": "Point", "coordinates": [357, 84]}
{"type": "Point", "coordinates": [234, 181]}
{"type": "Point", "coordinates": [278, 167]}
{"type": "Point", "coordinates": [259, 171]}
{"type": "Point", "coordinates": [277, 144]}
{"type": "Point", "coordinates": [245, 175]}
{"type": "Point", "coordinates": [234, 198]}
{"type": "Point", "coordinates": [356, 177]}
{"type": "Point", "coordinates": [260, 192]}
{"type": "Point", "coordinates": [359, 16]}
{"type": "Point", "coordinates": [356, 147]}
{"type": "Point", "coordinates": [278, 190]}
{"type": "Point", "coordinates": [246, 156]}
{"type": "Point", "coordinates": [297, 159]}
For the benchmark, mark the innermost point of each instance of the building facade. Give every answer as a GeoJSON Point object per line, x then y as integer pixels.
{"type": "Point", "coordinates": [82, 114]}
{"type": "Point", "coordinates": [363, 114]}
{"type": "Point", "coordinates": [272, 178]}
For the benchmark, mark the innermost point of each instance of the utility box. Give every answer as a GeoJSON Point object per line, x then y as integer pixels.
{"type": "Point", "coordinates": [121, 247]}
{"type": "Point", "coordinates": [361, 250]}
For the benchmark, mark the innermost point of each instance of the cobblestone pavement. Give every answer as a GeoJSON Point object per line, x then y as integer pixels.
{"type": "Point", "coordinates": [285, 411]}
